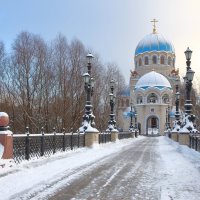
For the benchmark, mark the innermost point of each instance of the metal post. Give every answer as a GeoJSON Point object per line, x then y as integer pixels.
{"type": "Point", "coordinates": [177, 115]}
{"type": "Point", "coordinates": [112, 122]}
{"type": "Point", "coordinates": [131, 122]}
{"type": "Point", "coordinates": [54, 140]}
{"type": "Point", "coordinates": [168, 117]}
{"type": "Point", "coordinates": [27, 147]}
{"type": "Point", "coordinates": [42, 142]}
{"type": "Point", "coordinates": [64, 142]}
{"type": "Point", "coordinates": [72, 138]}
{"type": "Point", "coordinates": [89, 83]}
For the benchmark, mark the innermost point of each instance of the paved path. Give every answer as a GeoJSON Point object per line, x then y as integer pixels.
{"type": "Point", "coordinates": [129, 174]}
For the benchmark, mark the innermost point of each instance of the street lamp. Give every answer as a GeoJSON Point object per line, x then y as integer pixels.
{"type": "Point", "coordinates": [112, 122]}
{"type": "Point", "coordinates": [135, 121]}
{"type": "Point", "coordinates": [166, 121]}
{"type": "Point", "coordinates": [89, 85]}
{"type": "Point", "coordinates": [131, 115]}
{"type": "Point", "coordinates": [168, 117]}
{"type": "Point", "coordinates": [177, 114]}
{"type": "Point", "coordinates": [189, 79]}
{"type": "Point", "coordinates": [188, 55]}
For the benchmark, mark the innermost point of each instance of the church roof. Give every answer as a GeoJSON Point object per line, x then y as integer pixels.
{"type": "Point", "coordinates": [153, 79]}
{"type": "Point", "coordinates": [154, 42]}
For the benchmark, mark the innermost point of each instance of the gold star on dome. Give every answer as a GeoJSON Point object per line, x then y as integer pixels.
{"type": "Point", "coordinates": [154, 25]}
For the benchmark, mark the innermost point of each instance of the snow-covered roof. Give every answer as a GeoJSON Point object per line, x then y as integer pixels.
{"type": "Point", "coordinates": [153, 79]}
{"type": "Point", "coordinates": [154, 42]}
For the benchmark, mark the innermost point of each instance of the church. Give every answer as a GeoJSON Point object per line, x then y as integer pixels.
{"type": "Point", "coordinates": [152, 86]}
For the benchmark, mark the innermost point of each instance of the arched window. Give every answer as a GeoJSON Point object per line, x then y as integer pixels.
{"type": "Point", "coordinates": [154, 59]}
{"type": "Point", "coordinates": [146, 60]}
{"type": "Point", "coordinates": [127, 102]}
{"type": "Point", "coordinates": [139, 99]}
{"type": "Point", "coordinates": [140, 62]}
{"type": "Point", "coordinates": [165, 98]}
{"type": "Point", "coordinates": [152, 98]}
{"type": "Point", "coordinates": [162, 60]}
{"type": "Point", "coordinates": [169, 60]}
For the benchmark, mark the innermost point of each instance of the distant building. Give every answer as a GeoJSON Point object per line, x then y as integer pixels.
{"type": "Point", "coordinates": [152, 85]}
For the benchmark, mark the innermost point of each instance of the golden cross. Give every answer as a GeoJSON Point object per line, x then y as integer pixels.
{"type": "Point", "coordinates": [154, 25]}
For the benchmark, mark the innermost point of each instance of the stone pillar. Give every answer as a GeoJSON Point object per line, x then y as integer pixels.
{"type": "Point", "coordinates": [91, 139]}
{"type": "Point", "coordinates": [133, 134]}
{"type": "Point", "coordinates": [6, 138]}
{"type": "Point", "coordinates": [184, 139]}
{"type": "Point", "coordinates": [114, 136]}
{"type": "Point", "coordinates": [174, 136]}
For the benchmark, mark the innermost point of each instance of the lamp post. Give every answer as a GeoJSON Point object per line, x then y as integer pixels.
{"type": "Point", "coordinates": [131, 122]}
{"type": "Point", "coordinates": [135, 122]}
{"type": "Point", "coordinates": [166, 121]}
{"type": "Point", "coordinates": [177, 114]}
{"type": "Point", "coordinates": [189, 79]}
{"type": "Point", "coordinates": [168, 116]}
{"type": "Point", "coordinates": [89, 85]}
{"type": "Point", "coordinates": [112, 122]}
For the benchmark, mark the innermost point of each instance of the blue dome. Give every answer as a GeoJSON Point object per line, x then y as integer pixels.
{"type": "Point", "coordinates": [154, 42]}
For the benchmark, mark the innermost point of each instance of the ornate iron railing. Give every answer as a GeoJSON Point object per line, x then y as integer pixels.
{"type": "Point", "coordinates": [195, 142]}
{"type": "Point", "coordinates": [104, 137]}
{"type": "Point", "coordinates": [31, 146]}
{"type": "Point", "coordinates": [124, 135]}
{"type": "Point", "coordinates": [27, 146]}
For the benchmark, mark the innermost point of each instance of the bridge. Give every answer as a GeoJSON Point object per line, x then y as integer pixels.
{"type": "Point", "coordinates": [140, 168]}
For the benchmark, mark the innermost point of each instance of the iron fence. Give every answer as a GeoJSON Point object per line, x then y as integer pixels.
{"type": "Point", "coordinates": [124, 135]}
{"type": "Point", "coordinates": [27, 146]}
{"type": "Point", "coordinates": [195, 142]}
{"type": "Point", "coordinates": [104, 137]}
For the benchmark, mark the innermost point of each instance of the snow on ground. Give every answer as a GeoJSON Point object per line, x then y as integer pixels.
{"type": "Point", "coordinates": [179, 171]}
{"type": "Point", "coordinates": [30, 175]}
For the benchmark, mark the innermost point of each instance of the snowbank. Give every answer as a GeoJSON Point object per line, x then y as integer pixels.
{"type": "Point", "coordinates": [179, 171]}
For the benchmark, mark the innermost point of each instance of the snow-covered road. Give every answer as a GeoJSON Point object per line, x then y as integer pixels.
{"type": "Point", "coordinates": [144, 168]}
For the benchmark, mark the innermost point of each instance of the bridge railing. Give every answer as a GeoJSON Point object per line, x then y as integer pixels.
{"type": "Point", "coordinates": [104, 137]}
{"type": "Point", "coordinates": [194, 142]}
{"type": "Point", "coordinates": [31, 146]}
{"type": "Point", "coordinates": [124, 135]}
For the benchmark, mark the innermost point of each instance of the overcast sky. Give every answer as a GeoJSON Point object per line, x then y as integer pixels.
{"type": "Point", "coordinates": [112, 28]}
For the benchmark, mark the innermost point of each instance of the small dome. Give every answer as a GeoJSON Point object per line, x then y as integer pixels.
{"type": "Point", "coordinates": [154, 42]}
{"type": "Point", "coordinates": [153, 79]}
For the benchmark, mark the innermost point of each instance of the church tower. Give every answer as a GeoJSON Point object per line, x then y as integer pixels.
{"type": "Point", "coordinates": [152, 84]}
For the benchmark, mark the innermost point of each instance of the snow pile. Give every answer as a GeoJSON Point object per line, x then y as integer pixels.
{"type": "Point", "coordinates": [111, 128]}
{"type": "Point", "coordinates": [179, 171]}
{"type": "Point", "coordinates": [86, 127]}
{"type": "Point", "coordinates": [176, 126]}
{"type": "Point", "coordinates": [188, 126]}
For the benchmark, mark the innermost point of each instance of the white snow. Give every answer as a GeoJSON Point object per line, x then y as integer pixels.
{"type": "Point", "coordinates": [91, 129]}
{"type": "Point", "coordinates": [152, 79]}
{"type": "Point", "coordinates": [178, 171]}
{"type": "Point", "coordinates": [35, 175]}
{"type": "Point", "coordinates": [3, 114]}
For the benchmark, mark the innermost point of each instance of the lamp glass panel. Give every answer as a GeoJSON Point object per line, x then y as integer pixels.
{"type": "Point", "coordinates": [188, 54]}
